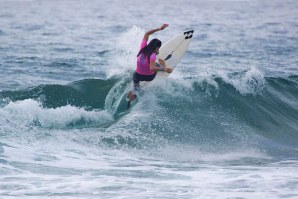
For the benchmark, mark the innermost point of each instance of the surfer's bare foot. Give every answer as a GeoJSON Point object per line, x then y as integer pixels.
{"type": "Point", "coordinates": [131, 96]}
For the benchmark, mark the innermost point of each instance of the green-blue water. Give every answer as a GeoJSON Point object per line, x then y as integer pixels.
{"type": "Point", "coordinates": [224, 124]}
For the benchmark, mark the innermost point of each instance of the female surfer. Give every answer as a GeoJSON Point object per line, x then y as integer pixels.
{"type": "Point", "coordinates": [146, 66]}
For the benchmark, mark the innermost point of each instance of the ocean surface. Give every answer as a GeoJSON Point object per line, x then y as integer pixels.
{"type": "Point", "coordinates": [224, 124]}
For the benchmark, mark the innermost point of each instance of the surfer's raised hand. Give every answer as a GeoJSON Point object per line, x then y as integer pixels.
{"type": "Point", "coordinates": [164, 26]}
{"type": "Point", "coordinates": [149, 32]}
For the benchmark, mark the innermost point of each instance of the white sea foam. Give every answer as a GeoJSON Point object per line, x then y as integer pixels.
{"type": "Point", "coordinates": [30, 112]}
{"type": "Point", "coordinates": [248, 82]}
{"type": "Point", "coordinates": [127, 48]}
{"type": "Point", "coordinates": [50, 169]}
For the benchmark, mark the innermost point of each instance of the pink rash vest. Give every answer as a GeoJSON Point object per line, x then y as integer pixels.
{"type": "Point", "coordinates": [143, 67]}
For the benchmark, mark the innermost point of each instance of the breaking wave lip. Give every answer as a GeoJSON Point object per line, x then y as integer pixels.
{"type": "Point", "coordinates": [31, 113]}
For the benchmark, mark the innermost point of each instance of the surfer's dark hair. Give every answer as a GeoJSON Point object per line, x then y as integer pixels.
{"type": "Point", "coordinates": [148, 50]}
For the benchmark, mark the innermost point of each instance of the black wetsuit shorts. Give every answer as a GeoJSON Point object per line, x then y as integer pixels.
{"type": "Point", "coordinates": [138, 77]}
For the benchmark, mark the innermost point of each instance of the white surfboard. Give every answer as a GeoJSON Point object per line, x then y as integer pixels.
{"type": "Point", "coordinates": [173, 50]}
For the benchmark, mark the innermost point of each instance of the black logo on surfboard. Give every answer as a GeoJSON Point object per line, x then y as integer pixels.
{"type": "Point", "coordinates": [188, 34]}
{"type": "Point", "coordinates": [169, 56]}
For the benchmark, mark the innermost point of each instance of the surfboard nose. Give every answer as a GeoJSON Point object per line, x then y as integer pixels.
{"type": "Point", "coordinates": [188, 34]}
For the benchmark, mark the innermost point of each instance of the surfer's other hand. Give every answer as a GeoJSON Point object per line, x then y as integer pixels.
{"type": "Point", "coordinates": [168, 69]}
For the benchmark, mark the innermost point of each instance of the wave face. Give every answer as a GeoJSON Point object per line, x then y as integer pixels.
{"type": "Point", "coordinates": [216, 116]}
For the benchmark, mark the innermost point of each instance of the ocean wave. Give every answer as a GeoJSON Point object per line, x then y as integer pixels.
{"type": "Point", "coordinates": [27, 114]}
{"type": "Point", "coordinates": [214, 111]}
{"type": "Point", "coordinates": [89, 93]}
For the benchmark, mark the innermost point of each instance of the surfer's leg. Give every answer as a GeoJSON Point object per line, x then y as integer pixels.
{"type": "Point", "coordinates": [132, 95]}
{"type": "Point", "coordinates": [136, 86]}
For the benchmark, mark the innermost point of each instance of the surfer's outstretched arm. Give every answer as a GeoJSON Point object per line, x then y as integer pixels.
{"type": "Point", "coordinates": [148, 33]}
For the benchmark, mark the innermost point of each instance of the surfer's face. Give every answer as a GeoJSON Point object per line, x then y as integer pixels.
{"type": "Point", "coordinates": [156, 50]}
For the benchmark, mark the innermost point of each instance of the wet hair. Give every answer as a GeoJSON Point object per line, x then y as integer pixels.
{"type": "Point", "coordinates": [148, 50]}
